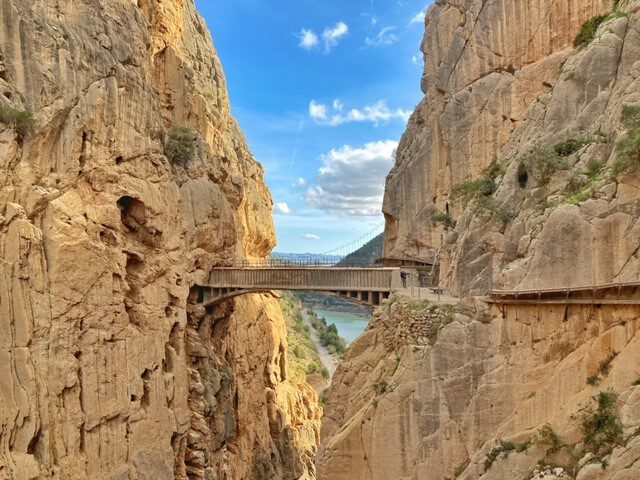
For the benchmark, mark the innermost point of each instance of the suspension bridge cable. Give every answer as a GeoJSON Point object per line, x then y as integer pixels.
{"type": "Point", "coordinates": [354, 244]}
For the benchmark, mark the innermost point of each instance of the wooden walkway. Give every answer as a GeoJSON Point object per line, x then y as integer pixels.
{"type": "Point", "coordinates": [607, 294]}
{"type": "Point", "coordinates": [365, 285]}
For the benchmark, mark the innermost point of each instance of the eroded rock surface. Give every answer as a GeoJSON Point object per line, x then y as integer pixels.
{"type": "Point", "coordinates": [407, 405]}
{"type": "Point", "coordinates": [104, 371]}
{"type": "Point", "coordinates": [468, 394]}
{"type": "Point", "coordinates": [503, 79]}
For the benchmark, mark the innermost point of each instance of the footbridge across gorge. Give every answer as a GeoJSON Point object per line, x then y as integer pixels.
{"type": "Point", "coordinates": [367, 285]}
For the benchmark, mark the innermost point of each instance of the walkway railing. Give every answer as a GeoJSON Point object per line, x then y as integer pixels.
{"type": "Point", "coordinates": [295, 262]}
{"type": "Point", "coordinates": [306, 278]}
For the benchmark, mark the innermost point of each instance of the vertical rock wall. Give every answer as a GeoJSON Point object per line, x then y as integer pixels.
{"type": "Point", "coordinates": [502, 78]}
{"type": "Point", "coordinates": [104, 373]}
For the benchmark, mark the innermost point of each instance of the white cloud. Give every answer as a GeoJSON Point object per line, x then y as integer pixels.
{"type": "Point", "coordinates": [338, 105]}
{"type": "Point", "coordinates": [374, 21]}
{"type": "Point", "coordinates": [308, 39]}
{"type": "Point", "coordinates": [375, 113]}
{"type": "Point", "coordinates": [417, 59]}
{"type": "Point", "coordinates": [383, 38]}
{"type": "Point", "coordinates": [351, 181]}
{"type": "Point", "coordinates": [418, 18]}
{"type": "Point", "coordinates": [331, 36]}
{"type": "Point", "coordinates": [310, 236]}
{"type": "Point", "coordinates": [318, 111]}
{"type": "Point", "coordinates": [302, 182]}
{"type": "Point", "coordinates": [283, 208]}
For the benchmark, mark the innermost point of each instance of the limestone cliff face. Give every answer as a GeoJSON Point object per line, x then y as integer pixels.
{"type": "Point", "coordinates": [502, 79]}
{"type": "Point", "coordinates": [105, 373]}
{"type": "Point", "coordinates": [430, 393]}
{"type": "Point", "coordinates": [407, 406]}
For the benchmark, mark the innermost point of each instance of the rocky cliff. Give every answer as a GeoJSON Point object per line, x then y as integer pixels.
{"type": "Point", "coordinates": [519, 169]}
{"type": "Point", "coordinates": [505, 90]}
{"type": "Point", "coordinates": [106, 372]}
{"type": "Point", "coordinates": [429, 393]}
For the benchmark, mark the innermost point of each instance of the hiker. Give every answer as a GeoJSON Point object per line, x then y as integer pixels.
{"type": "Point", "coordinates": [403, 276]}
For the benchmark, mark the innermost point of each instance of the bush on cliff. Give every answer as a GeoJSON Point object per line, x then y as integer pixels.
{"type": "Point", "coordinates": [629, 148]}
{"type": "Point", "coordinates": [601, 427]}
{"type": "Point", "coordinates": [544, 163]}
{"type": "Point", "coordinates": [22, 121]}
{"type": "Point", "coordinates": [587, 33]}
{"type": "Point", "coordinates": [181, 146]}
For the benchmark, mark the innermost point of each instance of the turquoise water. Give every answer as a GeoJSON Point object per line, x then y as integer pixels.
{"type": "Point", "coordinates": [350, 326]}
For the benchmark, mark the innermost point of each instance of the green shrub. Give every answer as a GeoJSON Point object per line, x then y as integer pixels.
{"type": "Point", "coordinates": [446, 316]}
{"type": "Point", "coordinates": [594, 168]}
{"type": "Point", "coordinates": [325, 372]}
{"type": "Point", "coordinates": [503, 450]}
{"type": "Point", "coordinates": [588, 31]}
{"type": "Point", "coordinates": [480, 191]}
{"type": "Point", "coordinates": [601, 427]}
{"type": "Point", "coordinates": [474, 189]}
{"type": "Point", "coordinates": [299, 352]}
{"type": "Point", "coordinates": [544, 163]}
{"type": "Point", "coordinates": [313, 367]}
{"type": "Point", "coordinates": [570, 146]}
{"type": "Point", "coordinates": [605, 365]}
{"type": "Point", "coordinates": [629, 148]}
{"type": "Point", "coordinates": [445, 219]}
{"type": "Point", "coordinates": [593, 380]}
{"type": "Point", "coordinates": [22, 121]}
{"type": "Point", "coordinates": [381, 386]}
{"type": "Point", "coordinates": [181, 145]}
{"type": "Point", "coordinates": [548, 437]}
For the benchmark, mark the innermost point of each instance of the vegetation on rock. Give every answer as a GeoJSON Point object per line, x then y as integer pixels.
{"type": "Point", "coordinates": [445, 219]}
{"type": "Point", "coordinates": [305, 359]}
{"type": "Point", "coordinates": [601, 427]}
{"type": "Point", "coordinates": [22, 121]}
{"type": "Point", "coordinates": [480, 192]}
{"type": "Point", "coordinates": [543, 163]}
{"type": "Point", "coordinates": [328, 334]}
{"type": "Point", "coordinates": [629, 148]}
{"type": "Point", "coordinates": [587, 33]}
{"type": "Point", "coordinates": [180, 147]}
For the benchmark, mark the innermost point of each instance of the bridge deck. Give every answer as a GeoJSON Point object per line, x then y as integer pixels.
{"type": "Point", "coordinates": [367, 285]}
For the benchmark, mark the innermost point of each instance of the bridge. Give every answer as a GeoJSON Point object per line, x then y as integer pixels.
{"type": "Point", "coordinates": [366, 285]}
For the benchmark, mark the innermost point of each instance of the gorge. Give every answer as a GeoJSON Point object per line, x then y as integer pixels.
{"type": "Point", "coordinates": [125, 181]}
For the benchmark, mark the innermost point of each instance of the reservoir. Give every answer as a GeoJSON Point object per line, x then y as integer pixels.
{"type": "Point", "coordinates": [350, 326]}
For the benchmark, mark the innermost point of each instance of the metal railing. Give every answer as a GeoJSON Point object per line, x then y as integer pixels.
{"type": "Point", "coordinates": [305, 278]}
{"type": "Point", "coordinates": [293, 263]}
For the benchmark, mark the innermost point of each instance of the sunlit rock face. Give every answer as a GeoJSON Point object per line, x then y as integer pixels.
{"type": "Point", "coordinates": [105, 372]}
{"type": "Point", "coordinates": [501, 79]}
{"type": "Point", "coordinates": [430, 394]}
{"type": "Point", "coordinates": [414, 406]}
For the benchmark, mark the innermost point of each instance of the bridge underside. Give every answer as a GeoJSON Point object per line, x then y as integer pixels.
{"type": "Point", "coordinates": [211, 296]}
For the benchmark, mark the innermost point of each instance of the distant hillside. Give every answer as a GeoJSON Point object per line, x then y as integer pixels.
{"type": "Point", "coordinates": [366, 254]}
{"type": "Point", "coordinates": [306, 257]}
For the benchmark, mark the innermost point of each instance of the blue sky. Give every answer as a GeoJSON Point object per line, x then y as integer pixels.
{"type": "Point", "coordinates": [322, 91]}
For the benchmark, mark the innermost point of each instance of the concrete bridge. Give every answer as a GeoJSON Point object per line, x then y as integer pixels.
{"type": "Point", "coordinates": [367, 285]}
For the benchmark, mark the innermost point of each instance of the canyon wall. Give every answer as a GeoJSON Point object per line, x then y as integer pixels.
{"type": "Point", "coordinates": [503, 81]}
{"type": "Point", "coordinates": [406, 404]}
{"type": "Point", "coordinates": [106, 370]}
{"type": "Point", "coordinates": [512, 173]}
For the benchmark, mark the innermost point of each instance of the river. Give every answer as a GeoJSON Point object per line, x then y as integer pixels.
{"type": "Point", "coordinates": [349, 326]}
